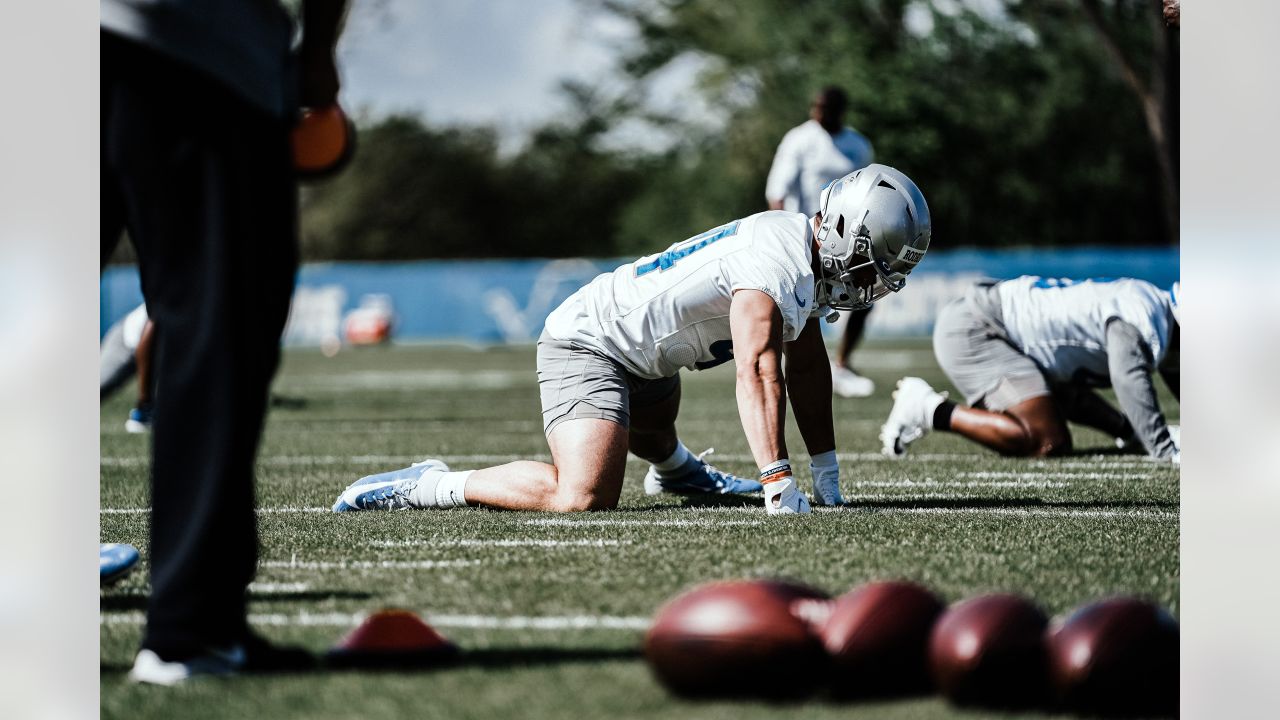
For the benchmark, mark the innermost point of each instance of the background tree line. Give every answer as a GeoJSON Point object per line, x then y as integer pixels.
{"type": "Point", "coordinates": [1051, 124]}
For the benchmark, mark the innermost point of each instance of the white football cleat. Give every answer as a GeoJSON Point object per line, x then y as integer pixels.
{"type": "Point", "coordinates": [388, 490]}
{"type": "Point", "coordinates": [782, 497]}
{"type": "Point", "coordinates": [849, 384]}
{"type": "Point", "coordinates": [911, 417]}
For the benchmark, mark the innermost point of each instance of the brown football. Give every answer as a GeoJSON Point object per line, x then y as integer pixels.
{"type": "Point", "coordinates": [878, 638]}
{"type": "Point", "coordinates": [989, 650]}
{"type": "Point", "coordinates": [1117, 657]}
{"type": "Point", "coordinates": [747, 638]}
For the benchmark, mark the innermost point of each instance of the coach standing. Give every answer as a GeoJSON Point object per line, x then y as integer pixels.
{"type": "Point", "coordinates": [810, 156]}
{"type": "Point", "coordinates": [197, 101]}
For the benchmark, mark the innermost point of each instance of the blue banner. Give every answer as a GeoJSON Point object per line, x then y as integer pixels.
{"type": "Point", "coordinates": [506, 301]}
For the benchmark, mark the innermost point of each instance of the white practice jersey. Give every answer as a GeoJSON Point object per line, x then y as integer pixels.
{"type": "Point", "coordinates": [1062, 324]}
{"type": "Point", "coordinates": [808, 158]}
{"type": "Point", "coordinates": [670, 311]}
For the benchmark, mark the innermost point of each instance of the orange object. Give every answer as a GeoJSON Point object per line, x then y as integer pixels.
{"type": "Point", "coordinates": [392, 638]}
{"type": "Point", "coordinates": [323, 141]}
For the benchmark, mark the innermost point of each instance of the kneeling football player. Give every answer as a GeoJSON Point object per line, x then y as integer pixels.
{"type": "Point", "coordinates": [1028, 354]}
{"type": "Point", "coordinates": [609, 360]}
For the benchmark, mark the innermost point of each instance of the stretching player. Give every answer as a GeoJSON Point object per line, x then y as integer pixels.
{"type": "Point", "coordinates": [609, 360]}
{"type": "Point", "coordinates": [1028, 353]}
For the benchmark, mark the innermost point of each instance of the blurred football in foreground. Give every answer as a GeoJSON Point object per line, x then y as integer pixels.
{"type": "Point", "coordinates": [878, 638]}
{"type": "Point", "coordinates": [989, 650]}
{"type": "Point", "coordinates": [1117, 656]}
{"type": "Point", "coordinates": [745, 638]}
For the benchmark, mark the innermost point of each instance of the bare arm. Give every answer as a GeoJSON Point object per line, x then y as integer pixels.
{"type": "Point", "coordinates": [756, 326]}
{"type": "Point", "coordinates": [808, 377]}
{"type": "Point", "coordinates": [321, 26]}
{"type": "Point", "coordinates": [775, 205]}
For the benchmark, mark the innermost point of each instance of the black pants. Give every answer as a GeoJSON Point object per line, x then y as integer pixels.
{"type": "Point", "coordinates": [203, 182]}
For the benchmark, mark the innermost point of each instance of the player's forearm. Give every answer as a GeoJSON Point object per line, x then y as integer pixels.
{"type": "Point", "coordinates": [809, 385]}
{"type": "Point", "coordinates": [1130, 369]}
{"type": "Point", "coordinates": [762, 407]}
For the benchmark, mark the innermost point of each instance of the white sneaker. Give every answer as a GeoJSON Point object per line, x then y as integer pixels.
{"type": "Point", "coordinates": [849, 384]}
{"type": "Point", "coordinates": [781, 497]}
{"type": "Point", "coordinates": [911, 417]}
{"type": "Point", "coordinates": [148, 667]}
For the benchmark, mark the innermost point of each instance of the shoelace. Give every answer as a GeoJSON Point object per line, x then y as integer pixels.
{"type": "Point", "coordinates": [718, 476]}
{"type": "Point", "coordinates": [391, 497]}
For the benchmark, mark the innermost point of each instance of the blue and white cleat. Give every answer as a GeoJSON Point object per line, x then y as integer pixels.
{"type": "Point", "coordinates": [115, 560]}
{"type": "Point", "coordinates": [706, 479]}
{"type": "Point", "coordinates": [386, 491]}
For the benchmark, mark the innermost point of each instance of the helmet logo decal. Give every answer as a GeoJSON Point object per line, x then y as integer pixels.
{"type": "Point", "coordinates": [911, 255]}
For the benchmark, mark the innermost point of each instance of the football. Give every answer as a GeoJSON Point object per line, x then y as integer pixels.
{"type": "Point", "coordinates": [1116, 656]}
{"type": "Point", "coordinates": [989, 650]}
{"type": "Point", "coordinates": [736, 639]}
{"type": "Point", "coordinates": [878, 638]}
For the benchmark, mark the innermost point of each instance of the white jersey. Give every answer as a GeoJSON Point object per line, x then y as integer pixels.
{"type": "Point", "coordinates": [1062, 324]}
{"type": "Point", "coordinates": [670, 311]}
{"type": "Point", "coordinates": [808, 158]}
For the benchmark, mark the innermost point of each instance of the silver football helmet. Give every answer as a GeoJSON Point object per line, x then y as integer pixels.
{"type": "Point", "coordinates": [873, 218]}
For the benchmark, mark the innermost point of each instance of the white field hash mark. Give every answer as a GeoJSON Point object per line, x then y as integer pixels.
{"type": "Point", "coordinates": [482, 622]}
{"type": "Point", "coordinates": [511, 542]}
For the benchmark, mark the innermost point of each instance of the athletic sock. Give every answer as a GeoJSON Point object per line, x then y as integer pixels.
{"type": "Point", "coordinates": [438, 489]}
{"type": "Point", "coordinates": [942, 415]}
{"type": "Point", "coordinates": [681, 462]}
{"type": "Point", "coordinates": [451, 489]}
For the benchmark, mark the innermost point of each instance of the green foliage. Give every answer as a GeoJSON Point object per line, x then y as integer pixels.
{"type": "Point", "coordinates": [1017, 127]}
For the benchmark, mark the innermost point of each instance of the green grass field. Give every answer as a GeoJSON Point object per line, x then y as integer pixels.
{"type": "Point", "coordinates": [550, 609]}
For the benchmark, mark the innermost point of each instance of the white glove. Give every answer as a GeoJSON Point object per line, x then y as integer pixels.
{"type": "Point", "coordinates": [782, 498]}
{"type": "Point", "coordinates": [826, 485]}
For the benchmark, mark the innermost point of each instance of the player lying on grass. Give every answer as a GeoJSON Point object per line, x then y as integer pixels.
{"type": "Point", "coordinates": [1028, 353]}
{"type": "Point", "coordinates": [610, 357]}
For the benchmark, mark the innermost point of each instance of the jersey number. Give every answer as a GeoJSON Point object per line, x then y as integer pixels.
{"type": "Point", "coordinates": [1046, 283]}
{"type": "Point", "coordinates": [721, 351]}
{"type": "Point", "coordinates": [667, 260]}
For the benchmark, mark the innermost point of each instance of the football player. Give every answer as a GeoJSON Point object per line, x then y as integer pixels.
{"type": "Point", "coordinates": [609, 360]}
{"type": "Point", "coordinates": [1028, 355]}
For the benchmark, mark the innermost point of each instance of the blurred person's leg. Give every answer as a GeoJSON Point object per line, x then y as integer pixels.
{"type": "Point", "coordinates": [209, 196]}
{"type": "Point", "coordinates": [140, 415]}
{"type": "Point", "coordinates": [845, 379]}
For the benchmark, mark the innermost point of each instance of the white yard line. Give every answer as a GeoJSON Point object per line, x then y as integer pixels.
{"type": "Point", "coordinates": [1048, 512]}
{"type": "Point", "coordinates": [365, 564]}
{"type": "Point", "coordinates": [931, 483]}
{"type": "Point", "coordinates": [505, 542]}
{"type": "Point", "coordinates": [286, 510]}
{"type": "Point", "coordinates": [1046, 474]}
{"type": "Point", "coordinates": [268, 588]}
{"type": "Point", "coordinates": [559, 522]}
{"type": "Point", "coordinates": [484, 622]}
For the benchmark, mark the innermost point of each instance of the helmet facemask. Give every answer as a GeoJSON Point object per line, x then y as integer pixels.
{"type": "Point", "coordinates": [855, 281]}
